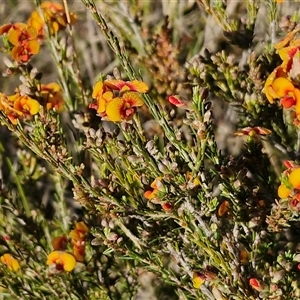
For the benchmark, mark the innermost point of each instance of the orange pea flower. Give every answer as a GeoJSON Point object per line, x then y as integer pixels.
{"type": "Point", "coordinates": [11, 263]}
{"type": "Point", "coordinates": [294, 178]}
{"type": "Point", "coordinates": [290, 51]}
{"type": "Point", "coordinates": [196, 181]}
{"type": "Point", "coordinates": [20, 33]}
{"type": "Point", "coordinates": [52, 95]}
{"type": "Point", "coordinates": [283, 89]}
{"type": "Point", "coordinates": [61, 260]}
{"type": "Point", "coordinates": [59, 242]}
{"type": "Point", "coordinates": [123, 108]}
{"type": "Point", "coordinates": [7, 107]}
{"type": "Point", "coordinates": [290, 185]}
{"type": "Point", "coordinates": [23, 53]}
{"type": "Point", "coordinates": [36, 21]}
{"type": "Point", "coordinates": [26, 105]}
{"type": "Point", "coordinates": [280, 84]}
{"type": "Point", "coordinates": [288, 39]}
{"type": "Point", "coordinates": [103, 95]}
{"type": "Point", "coordinates": [118, 99]}
{"type": "Point", "coordinates": [78, 236]}
{"type": "Point", "coordinates": [24, 39]}
{"type": "Point", "coordinates": [99, 89]}
{"type": "Point", "coordinates": [54, 15]}
{"type": "Point", "coordinates": [81, 227]}
{"type": "Point", "coordinates": [279, 72]}
{"type": "Point", "coordinates": [156, 187]}
{"type": "Point", "coordinates": [80, 232]}
{"type": "Point", "coordinates": [5, 28]}
{"type": "Point", "coordinates": [283, 191]}
{"type": "Point", "coordinates": [18, 106]}
{"type": "Point", "coordinates": [79, 252]}
{"type": "Point", "coordinates": [198, 280]}
{"type": "Point", "coordinates": [124, 86]}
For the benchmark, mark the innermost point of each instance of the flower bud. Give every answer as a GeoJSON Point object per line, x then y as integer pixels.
{"type": "Point", "coordinates": [112, 236]}
{"type": "Point", "coordinates": [256, 284]}
{"type": "Point", "coordinates": [166, 206]}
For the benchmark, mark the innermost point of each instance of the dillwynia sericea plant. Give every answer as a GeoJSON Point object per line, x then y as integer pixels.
{"type": "Point", "coordinates": [150, 150]}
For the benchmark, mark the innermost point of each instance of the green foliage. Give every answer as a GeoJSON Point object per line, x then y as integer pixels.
{"type": "Point", "coordinates": [167, 198]}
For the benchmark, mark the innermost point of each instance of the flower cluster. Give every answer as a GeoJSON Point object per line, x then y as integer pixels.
{"type": "Point", "coordinates": [18, 106]}
{"type": "Point", "coordinates": [11, 263]}
{"type": "Point", "coordinates": [52, 96]}
{"type": "Point", "coordinates": [54, 15]}
{"type": "Point", "coordinates": [24, 38]}
{"type": "Point", "coordinates": [118, 99]}
{"type": "Point", "coordinates": [290, 184]}
{"type": "Point", "coordinates": [62, 260]}
{"type": "Point", "coordinates": [283, 83]}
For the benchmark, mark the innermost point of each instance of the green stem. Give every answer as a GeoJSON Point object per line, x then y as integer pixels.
{"type": "Point", "coordinates": [19, 187]}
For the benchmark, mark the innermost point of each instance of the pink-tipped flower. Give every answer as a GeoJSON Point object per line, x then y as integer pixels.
{"type": "Point", "coordinates": [289, 164]}
{"type": "Point", "coordinates": [179, 102]}
{"type": "Point", "coordinates": [252, 131]}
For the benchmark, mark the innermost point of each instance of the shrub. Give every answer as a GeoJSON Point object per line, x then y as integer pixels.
{"type": "Point", "coordinates": [141, 161]}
